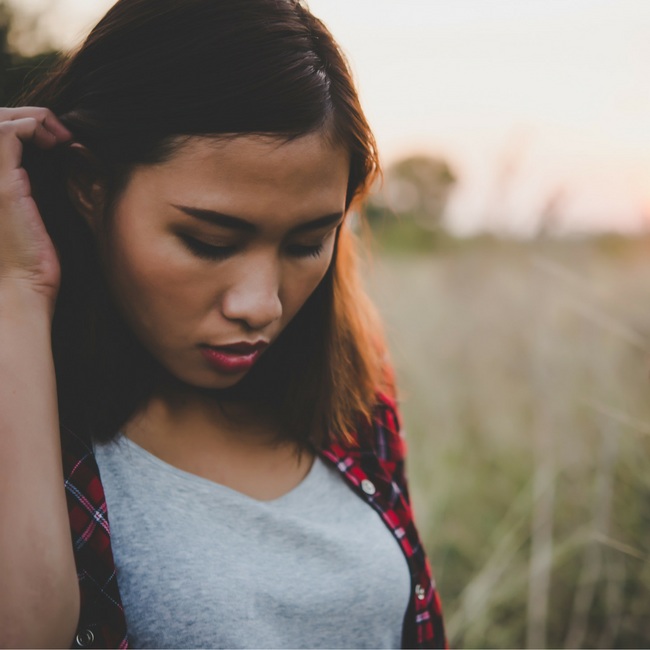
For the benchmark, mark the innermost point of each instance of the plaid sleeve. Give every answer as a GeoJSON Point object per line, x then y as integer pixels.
{"type": "Point", "coordinates": [423, 626]}
{"type": "Point", "coordinates": [101, 622]}
{"type": "Point", "coordinates": [391, 443]}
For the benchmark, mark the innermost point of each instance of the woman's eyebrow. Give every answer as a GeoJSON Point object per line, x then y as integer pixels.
{"type": "Point", "coordinates": [236, 223]}
{"type": "Point", "coordinates": [217, 218]}
{"type": "Point", "coordinates": [318, 223]}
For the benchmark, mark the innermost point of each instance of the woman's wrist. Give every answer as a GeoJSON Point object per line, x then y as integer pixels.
{"type": "Point", "coordinates": [22, 303]}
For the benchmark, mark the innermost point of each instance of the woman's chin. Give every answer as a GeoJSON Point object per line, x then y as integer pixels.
{"type": "Point", "coordinates": [214, 382]}
{"type": "Point", "coordinates": [205, 380]}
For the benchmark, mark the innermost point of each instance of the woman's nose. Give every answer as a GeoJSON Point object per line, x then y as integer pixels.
{"type": "Point", "coordinates": [254, 298]}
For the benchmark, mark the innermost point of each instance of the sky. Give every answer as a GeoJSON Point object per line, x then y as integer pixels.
{"type": "Point", "coordinates": [540, 106]}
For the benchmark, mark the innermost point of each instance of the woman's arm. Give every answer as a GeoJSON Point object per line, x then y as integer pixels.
{"type": "Point", "coordinates": [39, 593]}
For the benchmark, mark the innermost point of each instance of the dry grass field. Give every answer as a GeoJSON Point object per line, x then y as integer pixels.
{"type": "Point", "coordinates": [523, 370]}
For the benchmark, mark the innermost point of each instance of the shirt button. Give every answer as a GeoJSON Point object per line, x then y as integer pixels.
{"type": "Point", "coordinates": [368, 486]}
{"type": "Point", "coordinates": [84, 639]}
{"type": "Point", "coordinates": [419, 592]}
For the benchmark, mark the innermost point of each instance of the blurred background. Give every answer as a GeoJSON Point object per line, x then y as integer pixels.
{"type": "Point", "coordinates": [511, 264]}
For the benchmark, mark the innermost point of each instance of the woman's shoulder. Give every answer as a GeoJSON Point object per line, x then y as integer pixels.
{"type": "Point", "coordinates": [386, 413]}
{"type": "Point", "coordinates": [384, 431]}
{"type": "Point", "coordinates": [377, 436]}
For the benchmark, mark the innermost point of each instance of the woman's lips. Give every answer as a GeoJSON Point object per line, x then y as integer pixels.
{"type": "Point", "coordinates": [234, 358]}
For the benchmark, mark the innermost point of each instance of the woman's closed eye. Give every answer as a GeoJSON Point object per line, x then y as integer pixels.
{"type": "Point", "coordinates": [207, 251]}
{"type": "Point", "coordinates": [302, 250]}
{"type": "Point", "coordinates": [211, 252]}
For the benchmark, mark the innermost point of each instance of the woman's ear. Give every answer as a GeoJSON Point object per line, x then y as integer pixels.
{"type": "Point", "coordinates": [86, 185]}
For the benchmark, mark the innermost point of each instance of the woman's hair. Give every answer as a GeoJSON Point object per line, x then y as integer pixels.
{"type": "Point", "coordinates": [153, 70]}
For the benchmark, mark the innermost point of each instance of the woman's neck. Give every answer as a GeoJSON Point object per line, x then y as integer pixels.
{"type": "Point", "coordinates": [236, 444]}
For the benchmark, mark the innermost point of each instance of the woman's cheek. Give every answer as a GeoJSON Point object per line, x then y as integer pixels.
{"type": "Point", "coordinates": [301, 285]}
{"type": "Point", "coordinates": [150, 282]}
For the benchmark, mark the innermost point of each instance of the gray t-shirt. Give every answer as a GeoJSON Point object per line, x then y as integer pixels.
{"type": "Point", "coordinates": [200, 565]}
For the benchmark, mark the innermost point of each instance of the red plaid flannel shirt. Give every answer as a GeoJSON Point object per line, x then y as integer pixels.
{"type": "Point", "coordinates": [374, 470]}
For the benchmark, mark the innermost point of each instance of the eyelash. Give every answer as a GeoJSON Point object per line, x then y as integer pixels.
{"type": "Point", "coordinates": [297, 250]}
{"type": "Point", "coordinates": [209, 252]}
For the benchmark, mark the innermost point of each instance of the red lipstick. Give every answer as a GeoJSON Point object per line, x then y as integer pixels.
{"type": "Point", "coordinates": [233, 358]}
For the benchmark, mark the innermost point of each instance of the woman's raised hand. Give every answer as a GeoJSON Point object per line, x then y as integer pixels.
{"type": "Point", "coordinates": [27, 256]}
{"type": "Point", "coordinates": [39, 597]}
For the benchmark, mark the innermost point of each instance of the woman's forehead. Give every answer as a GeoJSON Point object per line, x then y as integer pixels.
{"type": "Point", "coordinates": [252, 177]}
{"type": "Point", "coordinates": [256, 152]}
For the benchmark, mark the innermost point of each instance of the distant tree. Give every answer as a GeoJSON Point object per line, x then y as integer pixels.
{"type": "Point", "coordinates": [18, 72]}
{"type": "Point", "coordinates": [417, 187]}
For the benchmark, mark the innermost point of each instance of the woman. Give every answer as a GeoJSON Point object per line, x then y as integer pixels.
{"type": "Point", "coordinates": [182, 333]}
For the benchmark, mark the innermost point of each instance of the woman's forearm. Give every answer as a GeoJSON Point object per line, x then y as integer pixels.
{"type": "Point", "coordinates": [39, 594]}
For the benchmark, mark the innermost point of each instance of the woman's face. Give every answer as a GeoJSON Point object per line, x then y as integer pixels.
{"type": "Point", "coordinates": [221, 246]}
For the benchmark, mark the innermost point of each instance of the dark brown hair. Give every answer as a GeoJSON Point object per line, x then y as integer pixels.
{"type": "Point", "coordinates": [152, 70]}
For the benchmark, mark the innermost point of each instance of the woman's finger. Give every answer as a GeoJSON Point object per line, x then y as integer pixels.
{"type": "Point", "coordinates": [43, 115]}
{"type": "Point", "coordinates": [13, 133]}
{"type": "Point", "coordinates": [52, 124]}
